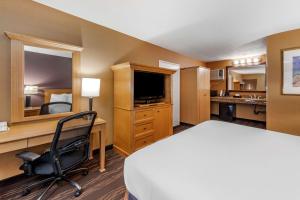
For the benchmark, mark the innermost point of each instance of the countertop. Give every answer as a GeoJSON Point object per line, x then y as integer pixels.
{"type": "Point", "coordinates": [249, 101]}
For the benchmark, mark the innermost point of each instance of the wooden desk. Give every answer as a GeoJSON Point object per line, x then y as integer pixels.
{"type": "Point", "coordinates": [29, 135]}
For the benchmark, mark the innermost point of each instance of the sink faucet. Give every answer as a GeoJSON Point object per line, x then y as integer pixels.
{"type": "Point", "coordinates": [254, 96]}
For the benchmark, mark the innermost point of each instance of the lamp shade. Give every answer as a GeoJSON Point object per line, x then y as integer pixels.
{"type": "Point", "coordinates": [31, 89]}
{"type": "Point", "coordinates": [90, 87]}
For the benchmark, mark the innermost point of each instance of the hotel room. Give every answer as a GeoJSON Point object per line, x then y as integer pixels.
{"type": "Point", "coordinates": [149, 100]}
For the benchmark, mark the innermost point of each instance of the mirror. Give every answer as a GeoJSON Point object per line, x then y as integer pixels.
{"type": "Point", "coordinates": [247, 78]}
{"type": "Point", "coordinates": [47, 81]}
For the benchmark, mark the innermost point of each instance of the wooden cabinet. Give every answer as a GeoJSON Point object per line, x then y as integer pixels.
{"type": "Point", "coordinates": [194, 95]}
{"type": "Point", "coordinates": [138, 126]}
{"type": "Point", "coordinates": [162, 122]}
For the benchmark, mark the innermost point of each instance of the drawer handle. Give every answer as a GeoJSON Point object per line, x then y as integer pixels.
{"type": "Point", "coordinates": [145, 115]}
{"type": "Point", "coordinates": [145, 128]}
{"type": "Point", "coordinates": [145, 142]}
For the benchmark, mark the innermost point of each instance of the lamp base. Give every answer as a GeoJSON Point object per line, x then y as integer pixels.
{"type": "Point", "coordinates": [90, 103]}
{"type": "Point", "coordinates": [27, 101]}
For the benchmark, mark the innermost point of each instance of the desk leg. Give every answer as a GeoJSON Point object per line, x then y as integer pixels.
{"type": "Point", "coordinates": [91, 146]}
{"type": "Point", "coordinates": [102, 134]}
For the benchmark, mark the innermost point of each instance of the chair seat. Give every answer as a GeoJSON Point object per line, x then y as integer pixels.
{"type": "Point", "coordinates": [43, 165]}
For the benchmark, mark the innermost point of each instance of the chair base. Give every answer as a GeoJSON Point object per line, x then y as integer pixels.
{"type": "Point", "coordinates": [55, 179]}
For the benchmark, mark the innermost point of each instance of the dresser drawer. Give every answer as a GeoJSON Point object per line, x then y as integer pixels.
{"type": "Point", "coordinates": [142, 128]}
{"type": "Point", "coordinates": [140, 143]}
{"type": "Point", "coordinates": [143, 115]}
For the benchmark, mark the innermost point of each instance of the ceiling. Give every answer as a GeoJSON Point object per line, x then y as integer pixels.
{"type": "Point", "coordinates": [203, 29]}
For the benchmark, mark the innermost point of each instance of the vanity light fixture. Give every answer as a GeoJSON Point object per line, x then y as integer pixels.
{"type": "Point", "coordinates": [236, 62]}
{"type": "Point", "coordinates": [243, 61]}
{"type": "Point", "coordinates": [256, 60]}
{"type": "Point", "coordinates": [248, 61]}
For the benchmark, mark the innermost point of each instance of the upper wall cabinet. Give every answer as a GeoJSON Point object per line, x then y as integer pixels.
{"type": "Point", "coordinates": [44, 78]}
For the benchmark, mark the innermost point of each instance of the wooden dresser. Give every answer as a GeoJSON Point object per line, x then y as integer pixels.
{"type": "Point", "coordinates": [138, 126]}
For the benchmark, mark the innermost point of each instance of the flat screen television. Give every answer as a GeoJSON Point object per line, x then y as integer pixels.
{"type": "Point", "coordinates": [148, 86]}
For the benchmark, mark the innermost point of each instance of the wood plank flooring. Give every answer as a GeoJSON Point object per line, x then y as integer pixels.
{"type": "Point", "coordinates": [97, 186]}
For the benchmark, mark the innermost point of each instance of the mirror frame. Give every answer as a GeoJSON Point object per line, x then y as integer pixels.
{"type": "Point", "coordinates": [17, 74]}
{"type": "Point", "coordinates": [253, 91]}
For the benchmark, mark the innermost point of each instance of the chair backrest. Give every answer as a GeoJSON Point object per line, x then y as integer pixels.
{"type": "Point", "coordinates": [71, 141]}
{"type": "Point", "coordinates": [55, 107]}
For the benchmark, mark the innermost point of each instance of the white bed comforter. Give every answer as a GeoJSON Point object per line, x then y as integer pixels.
{"type": "Point", "coordinates": [217, 161]}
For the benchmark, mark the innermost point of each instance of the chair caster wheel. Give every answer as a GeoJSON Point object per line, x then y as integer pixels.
{"type": "Point", "coordinates": [85, 173]}
{"type": "Point", "coordinates": [25, 192]}
{"type": "Point", "coordinates": [77, 193]}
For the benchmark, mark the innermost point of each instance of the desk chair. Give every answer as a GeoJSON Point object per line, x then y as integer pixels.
{"type": "Point", "coordinates": [59, 107]}
{"type": "Point", "coordinates": [68, 150]}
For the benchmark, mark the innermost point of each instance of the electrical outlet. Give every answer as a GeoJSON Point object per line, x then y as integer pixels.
{"type": "Point", "coordinates": [3, 126]}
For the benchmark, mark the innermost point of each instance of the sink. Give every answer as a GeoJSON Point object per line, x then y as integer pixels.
{"type": "Point", "coordinates": [249, 100]}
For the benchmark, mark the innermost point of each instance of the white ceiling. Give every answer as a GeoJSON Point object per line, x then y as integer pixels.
{"type": "Point", "coordinates": [203, 29]}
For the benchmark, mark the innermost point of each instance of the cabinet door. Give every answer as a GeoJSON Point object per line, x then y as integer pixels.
{"type": "Point", "coordinates": [162, 122]}
{"type": "Point", "coordinates": [204, 94]}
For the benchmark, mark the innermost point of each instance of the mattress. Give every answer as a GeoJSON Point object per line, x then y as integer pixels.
{"type": "Point", "coordinates": [217, 161]}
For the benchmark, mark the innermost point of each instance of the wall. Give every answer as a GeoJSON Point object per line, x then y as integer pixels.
{"type": "Point", "coordinates": [47, 72]}
{"type": "Point", "coordinates": [283, 111]}
{"type": "Point", "coordinates": [103, 48]}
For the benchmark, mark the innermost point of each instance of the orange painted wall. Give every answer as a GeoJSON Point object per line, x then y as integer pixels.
{"type": "Point", "coordinates": [283, 111]}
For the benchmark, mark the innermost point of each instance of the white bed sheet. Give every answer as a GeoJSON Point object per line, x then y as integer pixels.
{"type": "Point", "coordinates": [217, 161]}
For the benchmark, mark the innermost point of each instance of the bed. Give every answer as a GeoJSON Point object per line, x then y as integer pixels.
{"type": "Point", "coordinates": [217, 161]}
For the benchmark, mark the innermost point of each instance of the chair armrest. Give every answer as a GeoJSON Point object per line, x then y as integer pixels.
{"type": "Point", "coordinates": [28, 156]}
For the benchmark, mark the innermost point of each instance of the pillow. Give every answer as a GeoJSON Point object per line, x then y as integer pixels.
{"type": "Point", "coordinates": [69, 98]}
{"type": "Point", "coordinates": [58, 98]}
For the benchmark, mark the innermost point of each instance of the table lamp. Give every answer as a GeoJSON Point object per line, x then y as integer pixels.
{"type": "Point", "coordinates": [28, 91]}
{"type": "Point", "coordinates": [90, 87]}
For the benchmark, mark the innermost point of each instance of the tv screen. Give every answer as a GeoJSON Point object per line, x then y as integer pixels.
{"type": "Point", "coordinates": [148, 86]}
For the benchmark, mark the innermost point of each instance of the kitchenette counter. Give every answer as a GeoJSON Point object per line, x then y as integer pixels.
{"type": "Point", "coordinates": [234, 100]}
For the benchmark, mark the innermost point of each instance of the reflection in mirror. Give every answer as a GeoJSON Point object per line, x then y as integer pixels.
{"type": "Point", "coordinates": [47, 81]}
{"type": "Point", "coordinates": [247, 78]}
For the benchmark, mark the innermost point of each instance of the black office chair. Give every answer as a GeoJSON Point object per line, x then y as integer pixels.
{"type": "Point", "coordinates": [65, 106]}
{"type": "Point", "coordinates": [69, 149]}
